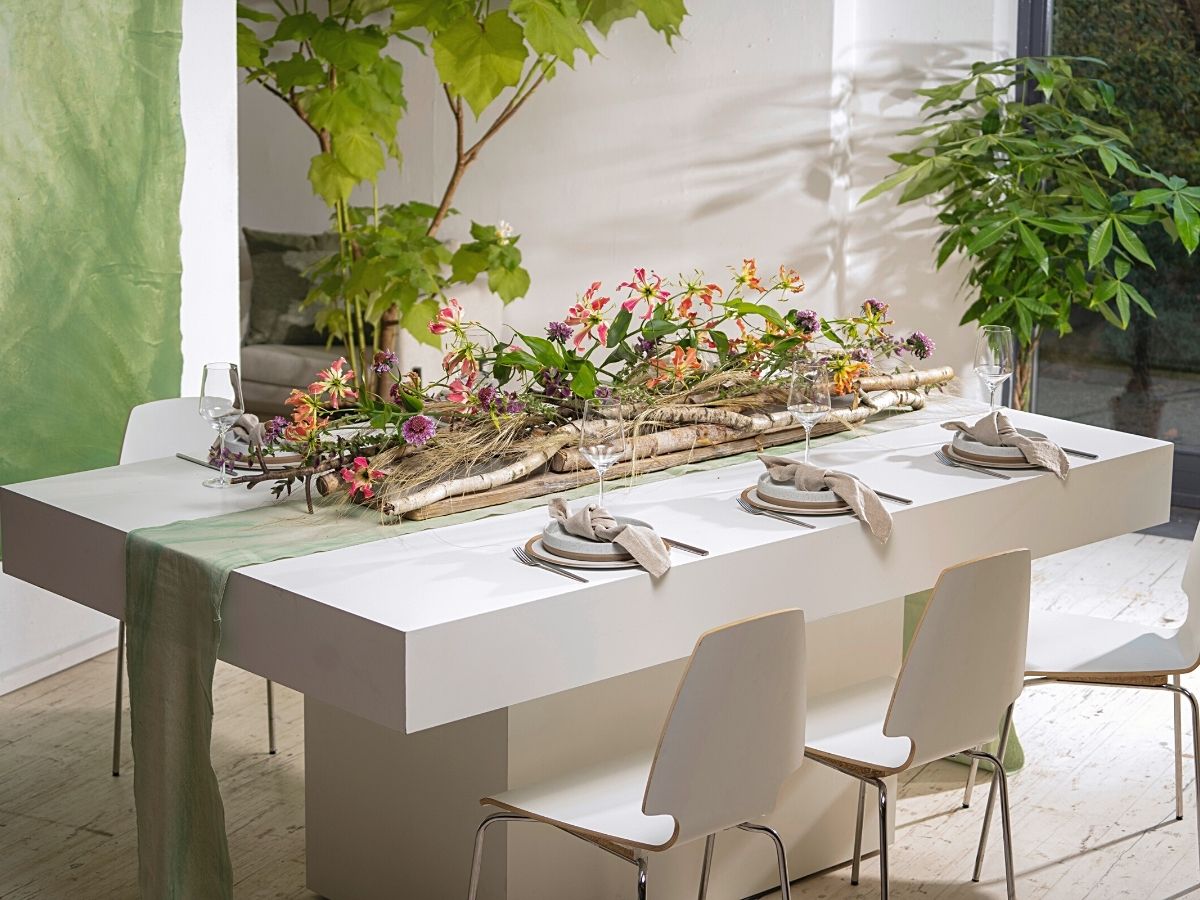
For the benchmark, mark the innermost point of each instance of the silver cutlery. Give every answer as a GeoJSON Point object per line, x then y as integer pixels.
{"type": "Point", "coordinates": [755, 511]}
{"type": "Point", "coordinates": [954, 463]}
{"type": "Point", "coordinates": [893, 498]}
{"type": "Point", "coordinates": [686, 548]}
{"type": "Point", "coordinates": [232, 467]}
{"type": "Point", "coordinates": [1081, 453]}
{"type": "Point", "coordinates": [521, 554]}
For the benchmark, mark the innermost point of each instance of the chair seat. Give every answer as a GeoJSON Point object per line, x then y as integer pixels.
{"type": "Point", "coordinates": [1064, 644]}
{"type": "Point", "coordinates": [603, 802]}
{"type": "Point", "coordinates": [846, 727]}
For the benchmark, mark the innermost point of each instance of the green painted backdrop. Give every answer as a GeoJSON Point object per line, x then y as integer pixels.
{"type": "Point", "coordinates": [91, 168]}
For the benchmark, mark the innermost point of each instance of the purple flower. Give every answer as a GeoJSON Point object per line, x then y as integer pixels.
{"type": "Point", "coordinates": [512, 405]}
{"type": "Point", "coordinates": [554, 385]}
{"type": "Point", "coordinates": [921, 345]}
{"type": "Point", "coordinates": [603, 392]}
{"type": "Point", "coordinates": [644, 346]}
{"type": "Point", "coordinates": [558, 331]}
{"type": "Point", "coordinates": [216, 456]}
{"type": "Point", "coordinates": [384, 361]}
{"type": "Point", "coordinates": [417, 430]}
{"type": "Point", "coordinates": [877, 307]}
{"type": "Point", "coordinates": [487, 396]}
{"type": "Point", "coordinates": [863, 355]}
{"type": "Point", "coordinates": [273, 430]}
{"type": "Point", "coordinates": [806, 320]}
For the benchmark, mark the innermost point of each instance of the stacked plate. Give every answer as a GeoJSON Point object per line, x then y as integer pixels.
{"type": "Point", "coordinates": [787, 498]}
{"type": "Point", "coordinates": [964, 449]}
{"type": "Point", "coordinates": [557, 545]}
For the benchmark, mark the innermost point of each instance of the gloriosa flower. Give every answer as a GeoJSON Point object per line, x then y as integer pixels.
{"type": "Point", "coordinates": [682, 365]}
{"type": "Point", "coordinates": [460, 391]}
{"type": "Point", "coordinates": [844, 369]}
{"type": "Point", "coordinates": [361, 477]}
{"type": "Point", "coordinates": [790, 280]}
{"type": "Point", "coordinates": [305, 417]}
{"type": "Point", "coordinates": [337, 381]}
{"type": "Point", "coordinates": [643, 288]}
{"type": "Point", "coordinates": [695, 288]}
{"type": "Point", "coordinates": [586, 314]}
{"type": "Point", "coordinates": [748, 277]}
{"type": "Point", "coordinates": [449, 318]}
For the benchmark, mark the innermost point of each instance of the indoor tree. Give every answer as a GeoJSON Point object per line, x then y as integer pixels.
{"type": "Point", "coordinates": [329, 61]}
{"type": "Point", "coordinates": [1030, 185]}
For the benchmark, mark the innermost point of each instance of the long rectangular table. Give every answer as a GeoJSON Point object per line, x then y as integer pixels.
{"type": "Point", "coordinates": [436, 669]}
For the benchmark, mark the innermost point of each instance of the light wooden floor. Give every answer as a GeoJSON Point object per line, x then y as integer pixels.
{"type": "Point", "coordinates": [1093, 810]}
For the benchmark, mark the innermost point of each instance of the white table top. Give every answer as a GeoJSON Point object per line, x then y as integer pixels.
{"type": "Point", "coordinates": [433, 626]}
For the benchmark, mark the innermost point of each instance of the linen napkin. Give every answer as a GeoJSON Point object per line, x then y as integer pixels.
{"type": "Point", "coordinates": [246, 430]}
{"type": "Point", "coordinates": [860, 498]}
{"type": "Point", "coordinates": [594, 523]}
{"type": "Point", "coordinates": [996, 430]}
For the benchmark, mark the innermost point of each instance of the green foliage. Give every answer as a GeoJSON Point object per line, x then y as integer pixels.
{"type": "Point", "coordinates": [1041, 195]}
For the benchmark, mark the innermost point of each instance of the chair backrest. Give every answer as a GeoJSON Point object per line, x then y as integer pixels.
{"type": "Point", "coordinates": [164, 428]}
{"type": "Point", "coordinates": [966, 663]}
{"type": "Point", "coordinates": [736, 728]}
{"type": "Point", "coordinates": [1189, 633]}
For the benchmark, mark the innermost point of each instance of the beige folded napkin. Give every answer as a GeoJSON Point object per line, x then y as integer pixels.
{"type": "Point", "coordinates": [595, 523]}
{"type": "Point", "coordinates": [246, 430]}
{"type": "Point", "coordinates": [860, 498]}
{"type": "Point", "coordinates": [996, 430]}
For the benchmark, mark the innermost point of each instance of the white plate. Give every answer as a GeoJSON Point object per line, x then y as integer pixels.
{"type": "Point", "coordinates": [789, 495]}
{"type": "Point", "coordinates": [948, 449]}
{"type": "Point", "coordinates": [975, 448]}
{"type": "Point", "coordinates": [534, 548]}
{"type": "Point", "coordinates": [750, 495]}
{"type": "Point", "coordinates": [559, 541]}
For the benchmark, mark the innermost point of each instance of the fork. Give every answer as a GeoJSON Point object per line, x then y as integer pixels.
{"type": "Point", "coordinates": [954, 463]}
{"type": "Point", "coordinates": [521, 554]}
{"type": "Point", "coordinates": [755, 511]}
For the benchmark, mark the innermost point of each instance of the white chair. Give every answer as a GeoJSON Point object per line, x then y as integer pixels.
{"type": "Point", "coordinates": [1071, 649]}
{"type": "Point", "coordinates": [961, 676]}
{"type": "Point", "coordinates": [734, 732]}
{"type": "Point", "coordinates": [156, 429]}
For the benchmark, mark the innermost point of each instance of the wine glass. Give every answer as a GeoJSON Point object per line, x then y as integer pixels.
{"type": "Point", "coordinates": [994, 358]}
{"type": "Point", "coordinates": [808, 398]}
{"type": "Point", "coordinates": [221, 404]}
{"type": "Point", "coordinates": [602, 436]}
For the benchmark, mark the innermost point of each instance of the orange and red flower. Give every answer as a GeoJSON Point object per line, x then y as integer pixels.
{"type": "Point", "coordinates": [449, 318]}
{"type": "Point", "coordinates": [642, 288]}
{"type": "Point", "coordinates": [748, 277]}
{"type": "Point", "coordinates": [587, 315]}
{"type": "Point", "coordinates": [361, 478]}
{"type": "Point", "coordinates": [790, 280]}
{"type": "Point", "coordinates": [337, 381]}
{"type": "Point", "coordinates": [682, 364]}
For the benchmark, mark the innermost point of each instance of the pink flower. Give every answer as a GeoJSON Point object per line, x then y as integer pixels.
{"type": "Point", "coordinates": [460, 391]}
{"type": "Point", "coordinates": [449, 318]}
{"type": "Point", "coordinates": [337, 381]}
{"type": "Point", "coordinates": [642, 288]}
{"type": "Point", "coordinates": [361, 477]}
{"type": "Point", "coordinates": [587, 314]}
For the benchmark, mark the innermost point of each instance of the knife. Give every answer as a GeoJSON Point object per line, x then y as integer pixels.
{"type": "Point", "coordinates": [687, 548]}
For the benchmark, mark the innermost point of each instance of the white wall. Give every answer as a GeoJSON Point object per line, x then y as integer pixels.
{"type": "Point", "coordinates": [755, 137]}
{"type": "Point", "coordinates": [43, 633]}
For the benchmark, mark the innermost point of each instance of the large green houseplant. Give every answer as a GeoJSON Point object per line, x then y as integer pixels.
{"type": "Point", "coordinates": [329, 61]}
{"type": "Point", "coordinates": [1028, 186]}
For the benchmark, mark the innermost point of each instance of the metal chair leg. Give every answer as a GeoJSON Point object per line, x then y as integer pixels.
{"type": "Point", "coordinates": [967, 791]}
{"type": "Point", "coordinates": [1180, 691]}
{"type": "Point", "coordinates": [999, 785]}
{"type": "Point", "coordinates": [1178, 749]}
{"type": "Point", "coordinates": [1005, 729]}
{"type": "Point", "coordinates": [862, 802]}
{"type": "Point", "coordinates": [270, 718]}
{"type": "Point", "coordinates": [785, 886]}
{"type": "Point", "coordinates": [884, 884]}
{"type": "Point", "coordinates": [641, 864]}
{"type": "Point", "coordinates": [116, 761]}
{"type": "Point", "coordinates": [477, 854]}
{"type": "Point", "coordinates": [706, 867]}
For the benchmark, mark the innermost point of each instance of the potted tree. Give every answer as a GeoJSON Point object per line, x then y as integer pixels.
{"type": "Point", "coordinates": [1026, 186]}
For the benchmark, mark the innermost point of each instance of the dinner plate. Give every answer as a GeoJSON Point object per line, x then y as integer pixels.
{"type": "Point", "coordinates": [557, 540]}
{"type": "Point", "coordinates": [971, 448]}
{"type": "Point", "coordinates": [993, 463]}
{"type": "Point", "coordinates": [788, 495]}
{"type": "Point", "coordinates": [535, 549]}
{"type": "Point", "coordinates": [750, 495]}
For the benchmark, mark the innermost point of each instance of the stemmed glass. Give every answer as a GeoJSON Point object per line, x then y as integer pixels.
{"type": "Point", "coordinates": [994, 358]}
{"type": "Point", "coordinates": [221, 404]}
{"type": "Point", "coordinates": [808, 398]}
{"type": "Point", "coordinates": [602, 436]}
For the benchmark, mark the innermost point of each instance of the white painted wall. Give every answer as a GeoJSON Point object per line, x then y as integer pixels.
{"type": "Point", "coordinates": [43, 633]}
{"type": "Point", "coordinates": [755, 137]}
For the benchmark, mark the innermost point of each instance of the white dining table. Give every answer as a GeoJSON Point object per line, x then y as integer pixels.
{"type": "Point", "coordinates": [436, 669]}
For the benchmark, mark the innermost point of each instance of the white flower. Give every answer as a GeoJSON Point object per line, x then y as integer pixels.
{"type": "Point", "coordinates": [505, 231]}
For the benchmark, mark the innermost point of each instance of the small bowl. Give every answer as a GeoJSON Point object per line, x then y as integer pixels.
{"type": "Point", "coordinates": [557, 539]}
{"type": "Point", "coordinates": [975, 448]}
{"type": "Point", "coordinates": [788, 494]}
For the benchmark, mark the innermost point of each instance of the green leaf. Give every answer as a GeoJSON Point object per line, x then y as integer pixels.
{"type": "Point", "coordinates": [1132, 243]}
{"type": "Point", "coordinates": [1136, 296]}
{"type": "Point", "coordinates": [583, 383]}
{"type": "Point", "coordinates": [510, 284]}
{"type": "Point", "coordinates": [547, 353]}
{"type": "Point", "coordinates": [466, 264]}
{"type": "Point", "coordinates": [521, 360]}
{"type": "Point", "coordinates": [348, 48]}
{"type": "Point", "coordinates": [253, 15]}
{"type": "Point", "coordinates": [330, 179]}
{"type": "Point", "coordinates": [989, 235]}
{"type": "Point", "coordinates": [359, 153]}
{"type": "Point", "coordinates": [250, 50]}
{"type": "Point", "coordinates": [432, 15]}
{"type": "Point", "coordinates": [479, 60]}
{"type": "Point", "coordinates": [297, 27]}
{"type": "Point", "coordinates": [1107, 158]}
{"type": "Point", "coordinates": [893, 180]}
{"type": "Point", "coordinates": [664, 16]}
{"type": "Point", "coordinates": [1035, 246]}
{"type": "Point", "coordinates": [551, 32]}
{"type": "Point", "coordinates": [619, 327]}
{"type": "Point", "coordinates": [416, 322]}
{"type": "Point", "coordinates": [298, 71]}
{"type": "Point", "coordinates": [1100, 243]}
{"type": "Point", "coordinates": [1187, 224]}
{"type": "Point", "coordinates": [333, 109]}
{"type": "Point", "coordinates": [1122, 304]}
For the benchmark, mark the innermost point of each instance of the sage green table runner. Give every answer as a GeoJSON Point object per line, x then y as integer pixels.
{"type": "Point", "coordinates": [176, 576]}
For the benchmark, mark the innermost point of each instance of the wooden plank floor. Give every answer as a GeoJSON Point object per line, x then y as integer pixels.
{"type": "Point", "coordinates": [1093, 810]}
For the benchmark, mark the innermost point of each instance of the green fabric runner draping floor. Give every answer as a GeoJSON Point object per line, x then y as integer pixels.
{"type": "Point", "coordinates": [176, 576]}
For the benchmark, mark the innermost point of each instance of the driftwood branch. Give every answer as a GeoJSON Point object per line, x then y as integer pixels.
{"type": "Point", "coordinates": [906, 381]}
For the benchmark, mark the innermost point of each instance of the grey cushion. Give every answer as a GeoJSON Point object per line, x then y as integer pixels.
{"type": "Point", "coordinates": [279, 286]}
{"type": "Point", "coordinates": [286, 365]}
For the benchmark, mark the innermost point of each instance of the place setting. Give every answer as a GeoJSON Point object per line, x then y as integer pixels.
{"type": "Point", "coordinates": [591, 537]}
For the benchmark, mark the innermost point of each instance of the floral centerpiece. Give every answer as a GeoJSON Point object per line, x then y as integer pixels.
{"type": "Point", "coordinates": [678, 354]}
